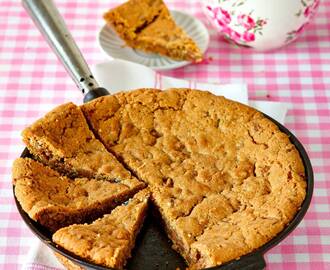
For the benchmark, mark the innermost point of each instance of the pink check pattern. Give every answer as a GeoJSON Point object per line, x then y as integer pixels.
{"type": "Point", "coordinates": [32, 82]}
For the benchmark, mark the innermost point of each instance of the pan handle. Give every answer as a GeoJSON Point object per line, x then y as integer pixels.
{"type": "Point", "coordinates": [52, 26]}
{"type": "Point", "coordinates": [248, 262]}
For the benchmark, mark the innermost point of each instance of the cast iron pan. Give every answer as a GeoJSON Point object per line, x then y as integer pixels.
{"type": "Point", "coordinates": [153, 249]}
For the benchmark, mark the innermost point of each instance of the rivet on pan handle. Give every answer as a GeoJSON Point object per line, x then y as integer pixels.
{"type": "Point", "coordinates": [52, 26]}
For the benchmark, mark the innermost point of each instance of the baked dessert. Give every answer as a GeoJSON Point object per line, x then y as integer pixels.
{"type": "Point", "coordinates": [148, 25]}
{"type": "Point", "coordinates": [109, 240]}
{"type": "Point", "coordinates": [63, 141]}
{"type": "Point", "coordinates": [56, 201]}
{"type": "Point", "coordinates": [224, 178]}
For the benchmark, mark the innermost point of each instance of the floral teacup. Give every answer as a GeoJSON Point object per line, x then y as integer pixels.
{"type": "Point", "coordinates": [260, 24]}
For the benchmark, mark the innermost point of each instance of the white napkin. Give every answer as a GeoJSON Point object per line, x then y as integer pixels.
{"type": "Point", "coordinates": [120, 75]}
{"type": "Point", "coordinates": [40, 257]}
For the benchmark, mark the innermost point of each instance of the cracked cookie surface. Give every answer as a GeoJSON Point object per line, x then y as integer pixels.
{"type": "Point", "coordinates": [109, 240]}
{"type": "Point", "coordinates": [63, 141]}
{"type": "Point", "coordinates": [214, 166]}
{"type": "Point", "coordinates": [56, 201]}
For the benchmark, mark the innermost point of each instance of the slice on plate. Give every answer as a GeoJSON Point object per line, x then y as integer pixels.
{"type": "Point", "coordinates": [109, 240]}
{"type": "Point", "coordinates": [56, 201]}
{"type": "Point", "coordinates": [148, 26]}
{"type": "Point", "coordinates": [63, 141]}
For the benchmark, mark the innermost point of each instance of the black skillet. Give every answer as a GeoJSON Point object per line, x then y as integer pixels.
{"type": "Point", "coordinates": [153, 249]}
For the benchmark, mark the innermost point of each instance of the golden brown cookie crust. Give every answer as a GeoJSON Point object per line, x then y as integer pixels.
{"type": "Point", "coordinates": [204, 156]}
{"type": "Point", "coordinates": [56, 201]}
{"type": "Point", "coordinates": [62, 139]}
{"type": "Point", "coordinates": [109, 240]}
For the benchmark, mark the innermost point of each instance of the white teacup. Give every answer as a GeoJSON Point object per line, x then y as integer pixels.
{"type": "Point", "coordinates": [260, 24]}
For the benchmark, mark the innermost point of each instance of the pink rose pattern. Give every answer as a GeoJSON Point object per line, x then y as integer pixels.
{"type": "Point", "coordinates": [248, 26]}
{"type": "Point", "coordinates": [222, 16]}
{"type": "Point", "coordinates": [308, 10]}
{"type": "Point", "coordinates": [246, 21]}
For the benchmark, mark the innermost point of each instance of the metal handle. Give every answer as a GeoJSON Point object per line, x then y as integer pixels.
{"type": "Point", "coordinates": [52, 26]}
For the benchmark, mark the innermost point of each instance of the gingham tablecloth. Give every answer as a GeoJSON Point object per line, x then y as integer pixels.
{"type": "Point", "coordinates": [32, 81]}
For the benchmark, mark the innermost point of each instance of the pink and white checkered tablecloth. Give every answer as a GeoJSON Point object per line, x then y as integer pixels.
{"type": "Point", "coordinates": [32, 81]}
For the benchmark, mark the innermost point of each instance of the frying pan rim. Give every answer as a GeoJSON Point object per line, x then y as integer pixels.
{"type": "Point", "coordinates": [258, 253]}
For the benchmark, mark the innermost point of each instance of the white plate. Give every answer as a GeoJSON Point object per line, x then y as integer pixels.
{"type": "Point", "coordinates": [115, 47]}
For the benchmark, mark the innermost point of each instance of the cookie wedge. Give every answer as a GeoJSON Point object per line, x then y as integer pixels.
{"type": "Point", "coordinates": [56, 201]}
{"type": "Point", "coordinates": [109, 240]}
{"type": "Point", "coordinates": [63, 141]}
{"type": "Point", "coordinates": [148, 26]}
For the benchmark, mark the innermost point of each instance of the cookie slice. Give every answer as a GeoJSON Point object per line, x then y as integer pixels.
{"type": "Point", "coordinates": [109, 240]}
{"type": "Point", "coordinates": [56, 201]}
{"type": "Point", "coordinates": [148, 26]}
{"type": "Point", "coordinates": [63, 141]}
